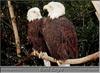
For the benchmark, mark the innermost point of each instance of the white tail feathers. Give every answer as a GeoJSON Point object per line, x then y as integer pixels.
{"type": "Point", "coordinates": [47, 63]}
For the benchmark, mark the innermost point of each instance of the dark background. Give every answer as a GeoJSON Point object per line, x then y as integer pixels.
{"type": "Point", "coordinates": [80, 12]}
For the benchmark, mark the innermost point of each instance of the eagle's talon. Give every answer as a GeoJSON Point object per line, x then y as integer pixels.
{"type": "Point", "coordinates": [58, 62]}
{"type": "Point", "coordinates": [40, 54]}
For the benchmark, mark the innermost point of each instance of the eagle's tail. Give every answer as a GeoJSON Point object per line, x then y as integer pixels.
{"type": "Point", "coordinates": [47, 63]}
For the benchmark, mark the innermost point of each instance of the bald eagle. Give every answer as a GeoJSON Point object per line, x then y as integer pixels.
{"type": "Point", "coordinates": [59, 33]}
{"type": "Point", "coordinates": [35, 38]}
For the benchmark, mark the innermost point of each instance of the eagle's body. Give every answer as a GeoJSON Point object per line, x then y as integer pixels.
{"type": "Point", "coordinates": [35, 37]}
{"type": "Point", "coordinates": [54, 33]}
{"type": "Point", "coordinates": [61, 38]}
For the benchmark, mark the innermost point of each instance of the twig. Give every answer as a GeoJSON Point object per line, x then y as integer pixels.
{"type": "Point", "coordinates": [13, 20]}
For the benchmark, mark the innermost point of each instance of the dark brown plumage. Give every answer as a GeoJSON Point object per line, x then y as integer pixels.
{"type": "Point", "coordinates": [35, 37]}
{"type": "Point", "coordinates": [61, 38]}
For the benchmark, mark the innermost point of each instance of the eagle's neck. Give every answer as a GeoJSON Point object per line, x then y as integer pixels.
{"type": "Point", "coordinates": [56, 14]}
{"type": "Point", "coordinates": [60, 17]}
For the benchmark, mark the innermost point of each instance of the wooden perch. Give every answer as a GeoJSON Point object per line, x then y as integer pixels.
{"type": "Point", "coordinates": [44, 56]}
{"type": "Point", "coordinates": [69, 61]}
{"type": "Point", "coordinates": [82, 60]}
{"type": "Point", "coordinates": [13, 20]}
{"type": "Point", "coordinates": [97, 7]}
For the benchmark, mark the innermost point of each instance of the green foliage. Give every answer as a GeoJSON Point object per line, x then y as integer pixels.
{"type": "Point", "coordinates": [81, 13]}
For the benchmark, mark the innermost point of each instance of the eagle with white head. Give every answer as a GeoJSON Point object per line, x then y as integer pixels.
{"type": "Point", "coordinates": [33, 14]}
{"type": "Point", "coordinates": [55, 9]}
{"type": "Point", "coordinates": [59, 33]}
{"type": "Point", "coordinates": [35, 37]}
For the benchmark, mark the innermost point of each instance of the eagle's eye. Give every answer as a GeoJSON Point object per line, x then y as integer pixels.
{"type": "Point", "coordinates": [34, 12]}
{"type": "Point", "coordinates": [51, 7]}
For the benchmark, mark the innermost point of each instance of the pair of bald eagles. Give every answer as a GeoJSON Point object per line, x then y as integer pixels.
{"type": "Point", "coordinates": [55, 34]}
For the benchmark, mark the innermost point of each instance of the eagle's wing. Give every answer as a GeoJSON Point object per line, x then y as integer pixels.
{"type": "Point", "coordinates": [34, 35]}
{"type": "Point", "coordinates": [61, 38]}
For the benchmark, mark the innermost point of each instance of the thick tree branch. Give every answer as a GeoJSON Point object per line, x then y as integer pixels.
{"type": "Point", "coordinates": [69, 61]}
{"type": "Point", "coordinates": [43, 55]}
{"type": "Point", "coordinates": [97, 7]}
{"type": "Point", "coordinates": [85, 59]}
{"type": "Point", "coordinates": [13, 20]}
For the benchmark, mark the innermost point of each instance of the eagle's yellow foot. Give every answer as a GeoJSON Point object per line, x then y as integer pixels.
{"type": "Point", "coordinates": [58, 62]}
{"type": "Point", "coordinates": [42, 54]}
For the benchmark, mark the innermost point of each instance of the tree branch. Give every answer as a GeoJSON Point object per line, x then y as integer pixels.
{"type": "Point", "coordinates": [44, 56]}
{"type": "Point", "coordinates": [97, 7]}
{"type": "Point", "coordinates": [13, 20]}
{"type": "Point", "coordinates": [85, 59]}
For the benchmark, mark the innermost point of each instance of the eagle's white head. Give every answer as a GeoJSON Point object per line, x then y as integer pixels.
{"type": "Point", "coordinates": [55, 9]}
{"type": "Point", "coordinates": [33, 14]}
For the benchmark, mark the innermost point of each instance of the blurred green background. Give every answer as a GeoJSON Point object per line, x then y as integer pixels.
{"type": "Point", "coordinates": [81, 13]}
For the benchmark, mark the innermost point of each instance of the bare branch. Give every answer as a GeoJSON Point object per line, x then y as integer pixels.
{"type": "Point", "coordinates": [97, 7]}
{"type": "Point", "coordinates": [68, 61]}
{"type": "Point", "coordinates": [13, 20]}
{"type": "Point", "coordinates": [44, 56]}
{"type": "Point", "coordinates": [85, 59]}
